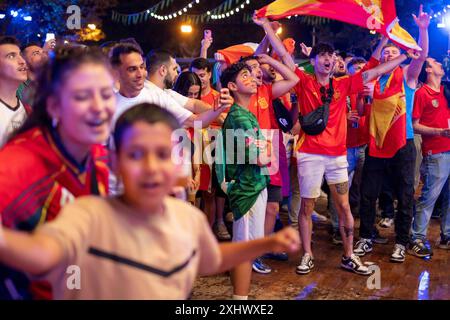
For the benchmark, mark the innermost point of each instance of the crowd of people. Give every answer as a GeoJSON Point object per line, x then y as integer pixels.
{"type": "Point", "coordinates": [92, 173]}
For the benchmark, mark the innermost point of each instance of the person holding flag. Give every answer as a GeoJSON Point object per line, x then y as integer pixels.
{"type": "Point", "coordinates": [392, 145]}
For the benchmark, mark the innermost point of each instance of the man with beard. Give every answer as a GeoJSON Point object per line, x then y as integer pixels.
{"type": "Point", "coordinates": [13, 72]}
{"type": "Point", "coordinates": [131, 72]}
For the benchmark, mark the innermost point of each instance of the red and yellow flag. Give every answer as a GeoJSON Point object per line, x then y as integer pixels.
{"type": "Point", "coordinates": [387, 122]}
{"type": "Point", "coordinates": [378, 15]}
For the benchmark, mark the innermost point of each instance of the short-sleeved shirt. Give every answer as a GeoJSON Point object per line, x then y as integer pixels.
{"type": "Point", "coordinates": [250, 178]}
{"type": "Point", "coordinates": [261, 106]}
{"type": "Point", "coordinates": [11, 118]}
{"type": "Point", "coordinates": [122, 254]}
{"type": "Point", "coordinates": [155, 95]}
{"type": "Point", "coordinates": [432, 110]}
{"type": "Point", "coordinates": [332, 141]}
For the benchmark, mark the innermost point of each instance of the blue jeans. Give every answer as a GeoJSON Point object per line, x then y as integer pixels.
{"type": "Point", "coordinates": [355, 157]}
{"type": "Point", "coordinates": [436, 178]}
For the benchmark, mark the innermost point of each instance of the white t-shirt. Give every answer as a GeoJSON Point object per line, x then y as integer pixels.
{"type": "Point", "coordinates": [155, 95]}
{"type": "Point", "coordinates": [10, 120]}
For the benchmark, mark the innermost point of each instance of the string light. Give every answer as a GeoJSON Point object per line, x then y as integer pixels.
{"type": "Point", "coordinates": [228, 13]}
{"type": "Point", "coordinates": [174, 14]}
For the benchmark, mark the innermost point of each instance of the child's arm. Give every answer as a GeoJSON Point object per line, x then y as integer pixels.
{"type": "Point", "coordinates": [235, 253]}
{"type": "Point", "coordinates": [33, 253]}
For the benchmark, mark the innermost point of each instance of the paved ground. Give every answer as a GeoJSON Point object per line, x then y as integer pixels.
{"type": "Point", "coordinates": [414, 279]}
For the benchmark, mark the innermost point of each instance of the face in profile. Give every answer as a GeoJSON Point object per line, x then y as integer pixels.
{"type": "Point", "coordinates": [145, 164]}
{"type": "Point", "coordinates": [84, 105]}
{"type": "Point", "coordinates": [256, 70]}
{"type": "Point", "coordinates": [171, 73]}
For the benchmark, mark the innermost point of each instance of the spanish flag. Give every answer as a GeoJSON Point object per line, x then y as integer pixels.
{"type": "Point", "coordinates": [387, 122]}
{"type": "Point", "coordinates": [378, 15]}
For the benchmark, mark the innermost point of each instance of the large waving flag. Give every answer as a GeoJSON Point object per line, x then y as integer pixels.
{"type": "Point", "coordinates": [378, 15]}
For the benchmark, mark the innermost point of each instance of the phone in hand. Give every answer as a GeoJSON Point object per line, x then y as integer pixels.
{"type": "Point", "coordinates": [208, 34]}
{"type": "Point", "coordinates": [49, 36]}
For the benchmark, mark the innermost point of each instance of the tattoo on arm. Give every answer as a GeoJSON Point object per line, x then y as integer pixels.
{"type": "Point", "coordinates": [365, 76]}
{"type": "Point", "coordinates": [342, 188]}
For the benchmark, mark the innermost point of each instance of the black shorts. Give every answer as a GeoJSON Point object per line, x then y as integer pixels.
{"type": "Point", "coordinates": [274, 193]}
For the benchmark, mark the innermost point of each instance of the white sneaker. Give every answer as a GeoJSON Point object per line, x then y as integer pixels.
{"type": "Point", "coordinates": [399, 253]}
{"type": "Point", "coordinates": [386, 223]}
{"type": "Point", "coordinates": [354, 264]}
{"type": "Point", "coordinates": [306, 264]}
{"type": "Point", "coordinates": [318, 218]}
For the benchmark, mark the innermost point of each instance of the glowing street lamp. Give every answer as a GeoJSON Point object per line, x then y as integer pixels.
{"type": "Point", "coordinates": [185, 28]}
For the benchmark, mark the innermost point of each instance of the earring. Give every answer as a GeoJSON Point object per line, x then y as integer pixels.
{"type": "Point", "coordinates": [55, 122]}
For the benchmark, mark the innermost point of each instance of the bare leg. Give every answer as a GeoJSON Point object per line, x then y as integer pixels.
{"type": "Point", "coordinates": [305, 223]}
{"type": "Point", "coordinates": [339, 192]}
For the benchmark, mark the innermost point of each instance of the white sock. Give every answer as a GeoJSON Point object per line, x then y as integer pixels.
{"type": "Point", "coordinates": [236, 297]}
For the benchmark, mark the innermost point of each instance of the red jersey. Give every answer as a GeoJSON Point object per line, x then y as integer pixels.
{"type": "Point", "coordinates": [261, 106]}
{"type": "Point", "coordinates": [431, 108]}
{"type": "Point", "coordinates": [211, 99]}
{"type": "Point", "coordinates": [358, 136]}
{"type": "Point", "coordinates": [37, 178]}
{"type": "Point", "coordinates": [333, 140]}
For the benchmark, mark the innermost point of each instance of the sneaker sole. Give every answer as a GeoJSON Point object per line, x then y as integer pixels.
{"type": "Point", "coordinates": [303, 272]}
{"type": "Point", "coordinates": [397, 260]}
{"type": "Point", "coordinates": [413, 253]}
{"type": "Point", "coordinates": [261, 272]}
{"type": "Point", "coordinates": [355, 271]}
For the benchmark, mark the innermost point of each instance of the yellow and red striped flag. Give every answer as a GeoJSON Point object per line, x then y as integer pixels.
{"type": "Point", "coordinates": [378, 15]}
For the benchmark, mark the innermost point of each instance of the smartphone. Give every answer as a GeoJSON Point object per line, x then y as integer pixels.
{"type": "Point", "coordinates": [208, 34]}
{"type": "Point", "coordinates": [49, 36]}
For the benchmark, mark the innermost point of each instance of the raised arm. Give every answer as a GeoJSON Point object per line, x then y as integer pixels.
{"type": "Point", "coordinates": [413, 70]}
{"type": "Point", "coordinates": [281, 87]}
{"type": "Point", "coordinates": [376, 54]}
{"type": "Point", "coordinates": [276, 43]}
{"type": "Point", "coordinates": [383, 68]}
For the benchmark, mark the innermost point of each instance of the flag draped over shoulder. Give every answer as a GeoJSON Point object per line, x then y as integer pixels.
{"type": "Point", "coordinates": [387, 124]}
{"type": "Point", "coordinates": [378, 15]}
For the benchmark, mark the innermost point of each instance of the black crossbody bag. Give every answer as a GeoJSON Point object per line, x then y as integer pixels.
{"type": "Point", "coordinates": [316, 121]}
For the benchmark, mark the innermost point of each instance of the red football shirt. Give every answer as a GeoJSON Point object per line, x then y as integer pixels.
{"type": "Point", "coordinates": [261, 106]}
{"type": "Point", "coordinates": [431, 108]}
{"type": "Point", "coordinates": [211, 99]}
{"type": "Point", "coordinates": [333, 140]}
{"type": "Point", "coordinates": [358, 136]}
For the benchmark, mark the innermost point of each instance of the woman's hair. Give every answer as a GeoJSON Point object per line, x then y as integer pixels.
{"type": "Point", "coordinates": [145, 112]}
{"type": "Point", "coordinates": [185, 81]}
{"type": "Point", "coordinates": [63, 60]}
